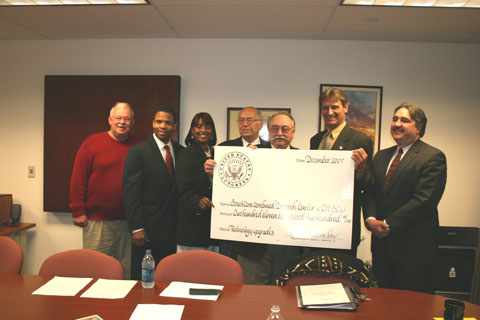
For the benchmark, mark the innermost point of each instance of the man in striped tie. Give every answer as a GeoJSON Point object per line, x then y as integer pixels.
{"type": "Point", "coordinates": [405, 187]}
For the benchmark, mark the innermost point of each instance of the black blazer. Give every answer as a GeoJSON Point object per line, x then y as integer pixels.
{"type": "Point", "coordinates": [410, 202]}
{"type": "Point", "coordinates": [193, 184]}
{"type": "Point", "coordinates": [150, 196]}
{"type": "Point", "coordinates": [350, 139]}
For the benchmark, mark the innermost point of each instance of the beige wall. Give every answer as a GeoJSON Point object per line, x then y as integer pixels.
{"type": "Point", "coordinates": [216, 74]}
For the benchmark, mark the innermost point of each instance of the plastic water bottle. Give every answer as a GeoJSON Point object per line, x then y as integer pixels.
{"type": "Point", "coordinates": [275, 313]}
{"type": "Point", "coordinates": [148, 270]}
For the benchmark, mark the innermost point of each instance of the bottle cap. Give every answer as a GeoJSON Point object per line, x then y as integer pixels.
{"type": "Point", "coordinates": [275, 308]}
{"type": "Point", "coordinates": [148, 251]}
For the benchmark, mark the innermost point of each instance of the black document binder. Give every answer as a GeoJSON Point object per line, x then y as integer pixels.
{"type": "Point", "coordinates": [335, 296]}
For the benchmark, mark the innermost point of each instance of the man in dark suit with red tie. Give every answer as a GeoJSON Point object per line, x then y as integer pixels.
{"type": "Point", "coordinates": [405, 187]}
{"type": "Point", "coordinates": [340, 136]}
{"type": "Point", "coordinates": [150, 192]}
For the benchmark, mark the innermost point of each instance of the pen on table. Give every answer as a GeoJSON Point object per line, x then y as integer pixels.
{"type": "Point", "coordinates": [206, 292]}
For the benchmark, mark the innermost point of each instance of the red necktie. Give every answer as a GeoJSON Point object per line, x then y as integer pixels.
{"type": "Point", "coordinates": [392, 168]}
{"type": "Point", "coordinates": [169, 161]}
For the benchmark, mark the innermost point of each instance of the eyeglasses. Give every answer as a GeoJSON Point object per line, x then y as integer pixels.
{"type": "Point", "coordinates": [247, 120]}
{"type": "Point", "coordinates": [126, 119]}
{"type": "Point", "coordinates": [284, 129]}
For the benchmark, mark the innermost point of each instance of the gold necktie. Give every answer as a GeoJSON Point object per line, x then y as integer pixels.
{"type": "Point", "coordinates": [327, 144]}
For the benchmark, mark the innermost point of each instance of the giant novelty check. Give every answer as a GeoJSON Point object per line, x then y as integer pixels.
{"type": "Point", "coordinates": [287, 197]}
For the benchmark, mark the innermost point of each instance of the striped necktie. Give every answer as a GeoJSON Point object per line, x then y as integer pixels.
{"type": "Point", "coordinates": [392, 168]}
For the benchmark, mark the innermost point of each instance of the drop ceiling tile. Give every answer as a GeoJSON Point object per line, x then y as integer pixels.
{"type": "Point", "coordinates": [246, 21]}
{"type": "Point", "coordinates": [72, 22]}
{"type": "Point", "coordinates": [249, 34]}
{"type": "Point", "coordinates": [14, 31]}
{"type": "Point", "coordinates": [426, 20]}
{"type": "Point", "coordinates": [275, 19]}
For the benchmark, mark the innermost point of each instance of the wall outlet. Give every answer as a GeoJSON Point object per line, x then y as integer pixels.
{"type": "Point", "coordinates": [31, 171]}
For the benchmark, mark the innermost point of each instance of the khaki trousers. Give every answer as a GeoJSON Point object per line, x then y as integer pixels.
{"type": "Point", "coordinates": [112, 238]}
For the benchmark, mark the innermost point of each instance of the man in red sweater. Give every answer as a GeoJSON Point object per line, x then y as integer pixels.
{"type": "Point", "coordinates": [96, 197]}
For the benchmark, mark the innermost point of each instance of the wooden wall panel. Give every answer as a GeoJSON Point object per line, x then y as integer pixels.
{"type": "Point", "coordinates": [77, 106]}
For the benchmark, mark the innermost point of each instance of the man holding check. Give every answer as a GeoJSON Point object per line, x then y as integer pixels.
{"type": "Point", "coordinates": [261, 262]}
{"type": "Point", "coordinates": [249, 124]}
{"type": "Point", "coordinates": [340, 136]}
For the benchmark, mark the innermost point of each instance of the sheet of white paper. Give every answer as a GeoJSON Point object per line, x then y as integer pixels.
{"type": "Point", "coordinates": [180, 290]}
{"type": "Point", "coordinates": [285, 197]}
{"type": "Point", "coordinates": [157, 311]}
{"type": "Point", "coordinates": [62, 286]}
{"type": "Point", "coordinates": [109, 289]}
{"type": "Point", "coordinates": [324, 294]}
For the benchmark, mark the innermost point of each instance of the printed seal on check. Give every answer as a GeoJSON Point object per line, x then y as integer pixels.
{"type": "Point", "coordinates": [235, 169]}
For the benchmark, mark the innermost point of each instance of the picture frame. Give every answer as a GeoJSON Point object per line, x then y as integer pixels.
{"type": "Point", "coordinates": [364, 112]}
{"type": "Point", "coordinates": [232, 116]}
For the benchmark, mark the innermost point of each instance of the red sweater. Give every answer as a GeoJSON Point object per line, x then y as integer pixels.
{"type": "Point", "coordinates": [96, 183]}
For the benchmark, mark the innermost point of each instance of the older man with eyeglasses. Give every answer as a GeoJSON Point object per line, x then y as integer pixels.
{"type": "Point", "coordinates": [249, 124]}
{"type": "Point", "coordinates": [96, 197]}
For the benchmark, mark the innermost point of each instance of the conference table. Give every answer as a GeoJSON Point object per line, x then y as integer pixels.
{"type": "Point", "coordinates": [235, 302]}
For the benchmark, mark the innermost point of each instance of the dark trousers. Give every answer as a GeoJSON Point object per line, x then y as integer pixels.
{"type": "Point", "coordinates": [405, 276]}
{"type": "Point", "coordinates": [266, 269]}
{"type": "Point", "coordinates": [351, 252]}
{"type": "Point", "coordinates": [159, 251]}
{"type": "Point", "coordinates": [227, 248]}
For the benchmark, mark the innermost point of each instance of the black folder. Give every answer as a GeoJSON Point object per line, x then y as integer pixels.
{"type": "Point", "coordinates": [332, 296]}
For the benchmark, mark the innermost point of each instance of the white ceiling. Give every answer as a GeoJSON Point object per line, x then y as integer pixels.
{"type": "Point", "coordinates": [245, 19]}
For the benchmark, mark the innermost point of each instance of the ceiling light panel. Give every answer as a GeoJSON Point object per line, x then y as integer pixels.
{"type": "Point", "coordinates": [450, 3]}
{"type": "Point", "coordinates": [419, 3]}
{"type": "Point", "coordinates": [68, 2]}
{"type": "Point", "coordinates": [390, 2]}
{"type": "Point", "coordinates": [415, 3]}
{"type": "Point", "coordinates": [359, 2]}
{"type": "Point", "coordinates": [472, 4]}
{"type": "Point", "coordinates": [74, 2]}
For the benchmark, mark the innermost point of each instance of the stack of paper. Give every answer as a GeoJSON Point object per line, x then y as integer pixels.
{"type": "Point", "coordinates": [177, 289]}
{"type": "Point", "coordinates": [63, 286]}
{"type": "Point", "coordinates": [157, 311]}
{"type": "Point", "coordinates": [109, 289]}
{"type": "Point", "coordinates": [102, 288]}
{"type": "Point", "coordinates": [333, 296]}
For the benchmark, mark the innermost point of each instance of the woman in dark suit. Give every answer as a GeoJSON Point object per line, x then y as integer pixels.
{"type": "Point", "coordinates": [195, 186]}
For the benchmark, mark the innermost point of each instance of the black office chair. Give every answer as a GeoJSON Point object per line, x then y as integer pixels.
{"type": "Point", "coordinates": [325, 266]}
